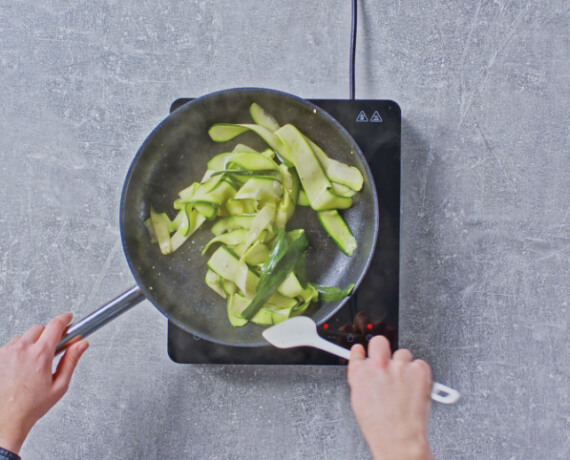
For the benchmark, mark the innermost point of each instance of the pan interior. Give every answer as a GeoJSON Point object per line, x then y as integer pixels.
{"type": "Point", "coordinates": [176, 153]}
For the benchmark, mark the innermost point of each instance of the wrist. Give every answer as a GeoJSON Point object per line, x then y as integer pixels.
{"type": "Point", "coordinates": [12, 438]}
{"type": "Point", "coordinates": [10, 447]}
{"type": "Point", "coordinates": [8, 455]}
{"type": "Point", "coordinates": [417, 449]}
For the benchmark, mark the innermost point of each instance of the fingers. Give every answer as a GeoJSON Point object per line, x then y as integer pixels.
{"type": "Point", "coordinates": [379, 350]}
{"type": "Point", "coordinates": [54, 330]}
{"type": "Point", "coordinates": [32, 334]}
{"type": "Point", "coordinates": [403, 355]}
{"type": "Point", "coordinates": [357, 353]}
{"type": "Point", "coordinates": [424, 369]}
{"type": "Point", "coordinates": [357, 357]}
{"type": "Point", "coordinates": [66, 366]}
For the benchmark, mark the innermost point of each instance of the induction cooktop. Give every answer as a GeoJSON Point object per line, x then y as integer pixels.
{"type": "Point", "coordinates": [373, 308]}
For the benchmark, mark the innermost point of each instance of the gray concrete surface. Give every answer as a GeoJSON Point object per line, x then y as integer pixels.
{"type": "Point", "coordinates": [485, 272]}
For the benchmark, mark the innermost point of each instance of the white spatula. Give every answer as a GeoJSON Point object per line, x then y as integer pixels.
{"type": "Point", "coordinates": [301, 331]}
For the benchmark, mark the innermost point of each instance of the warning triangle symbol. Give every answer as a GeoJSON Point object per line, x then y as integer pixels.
{"type": "Point", "coordinates": [361, 117]}
{"type": "Point", "coordinates": [376, 118]}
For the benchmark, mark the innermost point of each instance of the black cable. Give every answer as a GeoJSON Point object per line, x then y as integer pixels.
{"type": "Point", "coordinates": [353, 47]}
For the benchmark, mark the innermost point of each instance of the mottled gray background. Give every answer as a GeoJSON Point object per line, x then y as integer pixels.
{"type": "Point", "coordinates": [485, 272]}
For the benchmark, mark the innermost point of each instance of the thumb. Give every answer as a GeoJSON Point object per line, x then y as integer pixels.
{"type": "Point", "coordinates": [66, 366]}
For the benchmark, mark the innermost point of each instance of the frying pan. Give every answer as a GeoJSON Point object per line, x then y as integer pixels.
{"type": "Point", "coordinates": [172, 157]}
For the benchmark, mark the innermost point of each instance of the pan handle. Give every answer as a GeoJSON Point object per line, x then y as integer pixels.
{"type": "Point", "coordinates": [100, 317]}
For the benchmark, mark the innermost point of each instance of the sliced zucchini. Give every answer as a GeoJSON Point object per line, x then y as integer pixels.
{"type": "Point", "coordinates": [261, 222]}
{"type": "Point", "coordinates": [257, 254]}
{"type": "Point", "coordinates": [337, 171]}
{"type": "Point", "coordinates": [343, 190]}
{"type": "Point", "coordinates": [268, 316]}
{"type": "Point", "coordinates": [222, 132]}
{"type": "Point", "coordinates": [235, 305]}
{"type": "Point", "coordinates": [230, 223]}
{"type": "Point", "coordinates": [178, 220]}
{"type": "Point", "coordinates": [160, 223]}
{"type": "Point", "coordinates": [228, 286]}
{"type": "Point", "coordinates": [303, 199]}
{"type": "Point", "coordinates": [213, 282]}
{"type": "Point", "coordinates": [244, 148]}
{"type": "Point", "coordinates": [179, 238]}
{"type": "Point", "coordinates": [187, 193]}
{"type": "Point", "coordinates": [215, 191]}
{"type": "Point", "coordinates": [261, 188]}
{"type": "Point", "coordinates": [232, 238]}
{"type": "Point", "coordinates": [291, 286]}
{"type": "Point", "coordinates": [283, 211]}
{"type": "Point", "coordinates": [227, 265]}
{"type": "Point", "coordinates": [249, 161]}
{"type": "Point", "coordinates": [336, 227]}
{"type": "Point", "coordinates": [219, 161]}
{"type": "Point", "coordinates": [269, 153]}
{"type": "Point", "coordinates": [311, 173]}
{"type": "Point", "coordinates": [262, 118]}
{"type": "Point", "coordinates": [242, 207]}
{"type": "Point", "coordinates": [148, 225]}
{"type": "Point", "coordinates": [207, 209]}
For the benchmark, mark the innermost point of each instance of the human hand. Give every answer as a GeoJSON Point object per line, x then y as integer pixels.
{"type": "Point", "coordinates": [390, 397]}
{"type": "Point", "coordinates": [28, 388]}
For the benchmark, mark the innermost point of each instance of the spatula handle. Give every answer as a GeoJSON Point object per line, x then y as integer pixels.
{"type": "Point", "coordinates": [443, 394]}
{"type": "Point", "coordinates": [332, 348]}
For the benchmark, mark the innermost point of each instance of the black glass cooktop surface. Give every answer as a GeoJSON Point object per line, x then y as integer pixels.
{"type": "Point", "coordinates": [373, 309]}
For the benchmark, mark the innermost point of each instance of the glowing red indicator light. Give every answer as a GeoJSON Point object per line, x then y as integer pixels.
{"type": "Point", "coordinates": [326, 326]}
{"type": "Point", "coordinates": [369, 326]}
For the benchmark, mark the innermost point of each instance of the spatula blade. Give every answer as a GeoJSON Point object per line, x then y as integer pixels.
{"type": "Point", "coordinates": [294, 332]}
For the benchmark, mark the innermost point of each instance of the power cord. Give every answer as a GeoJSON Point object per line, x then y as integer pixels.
{"type": "Point", "coordinates": [353, 48]}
